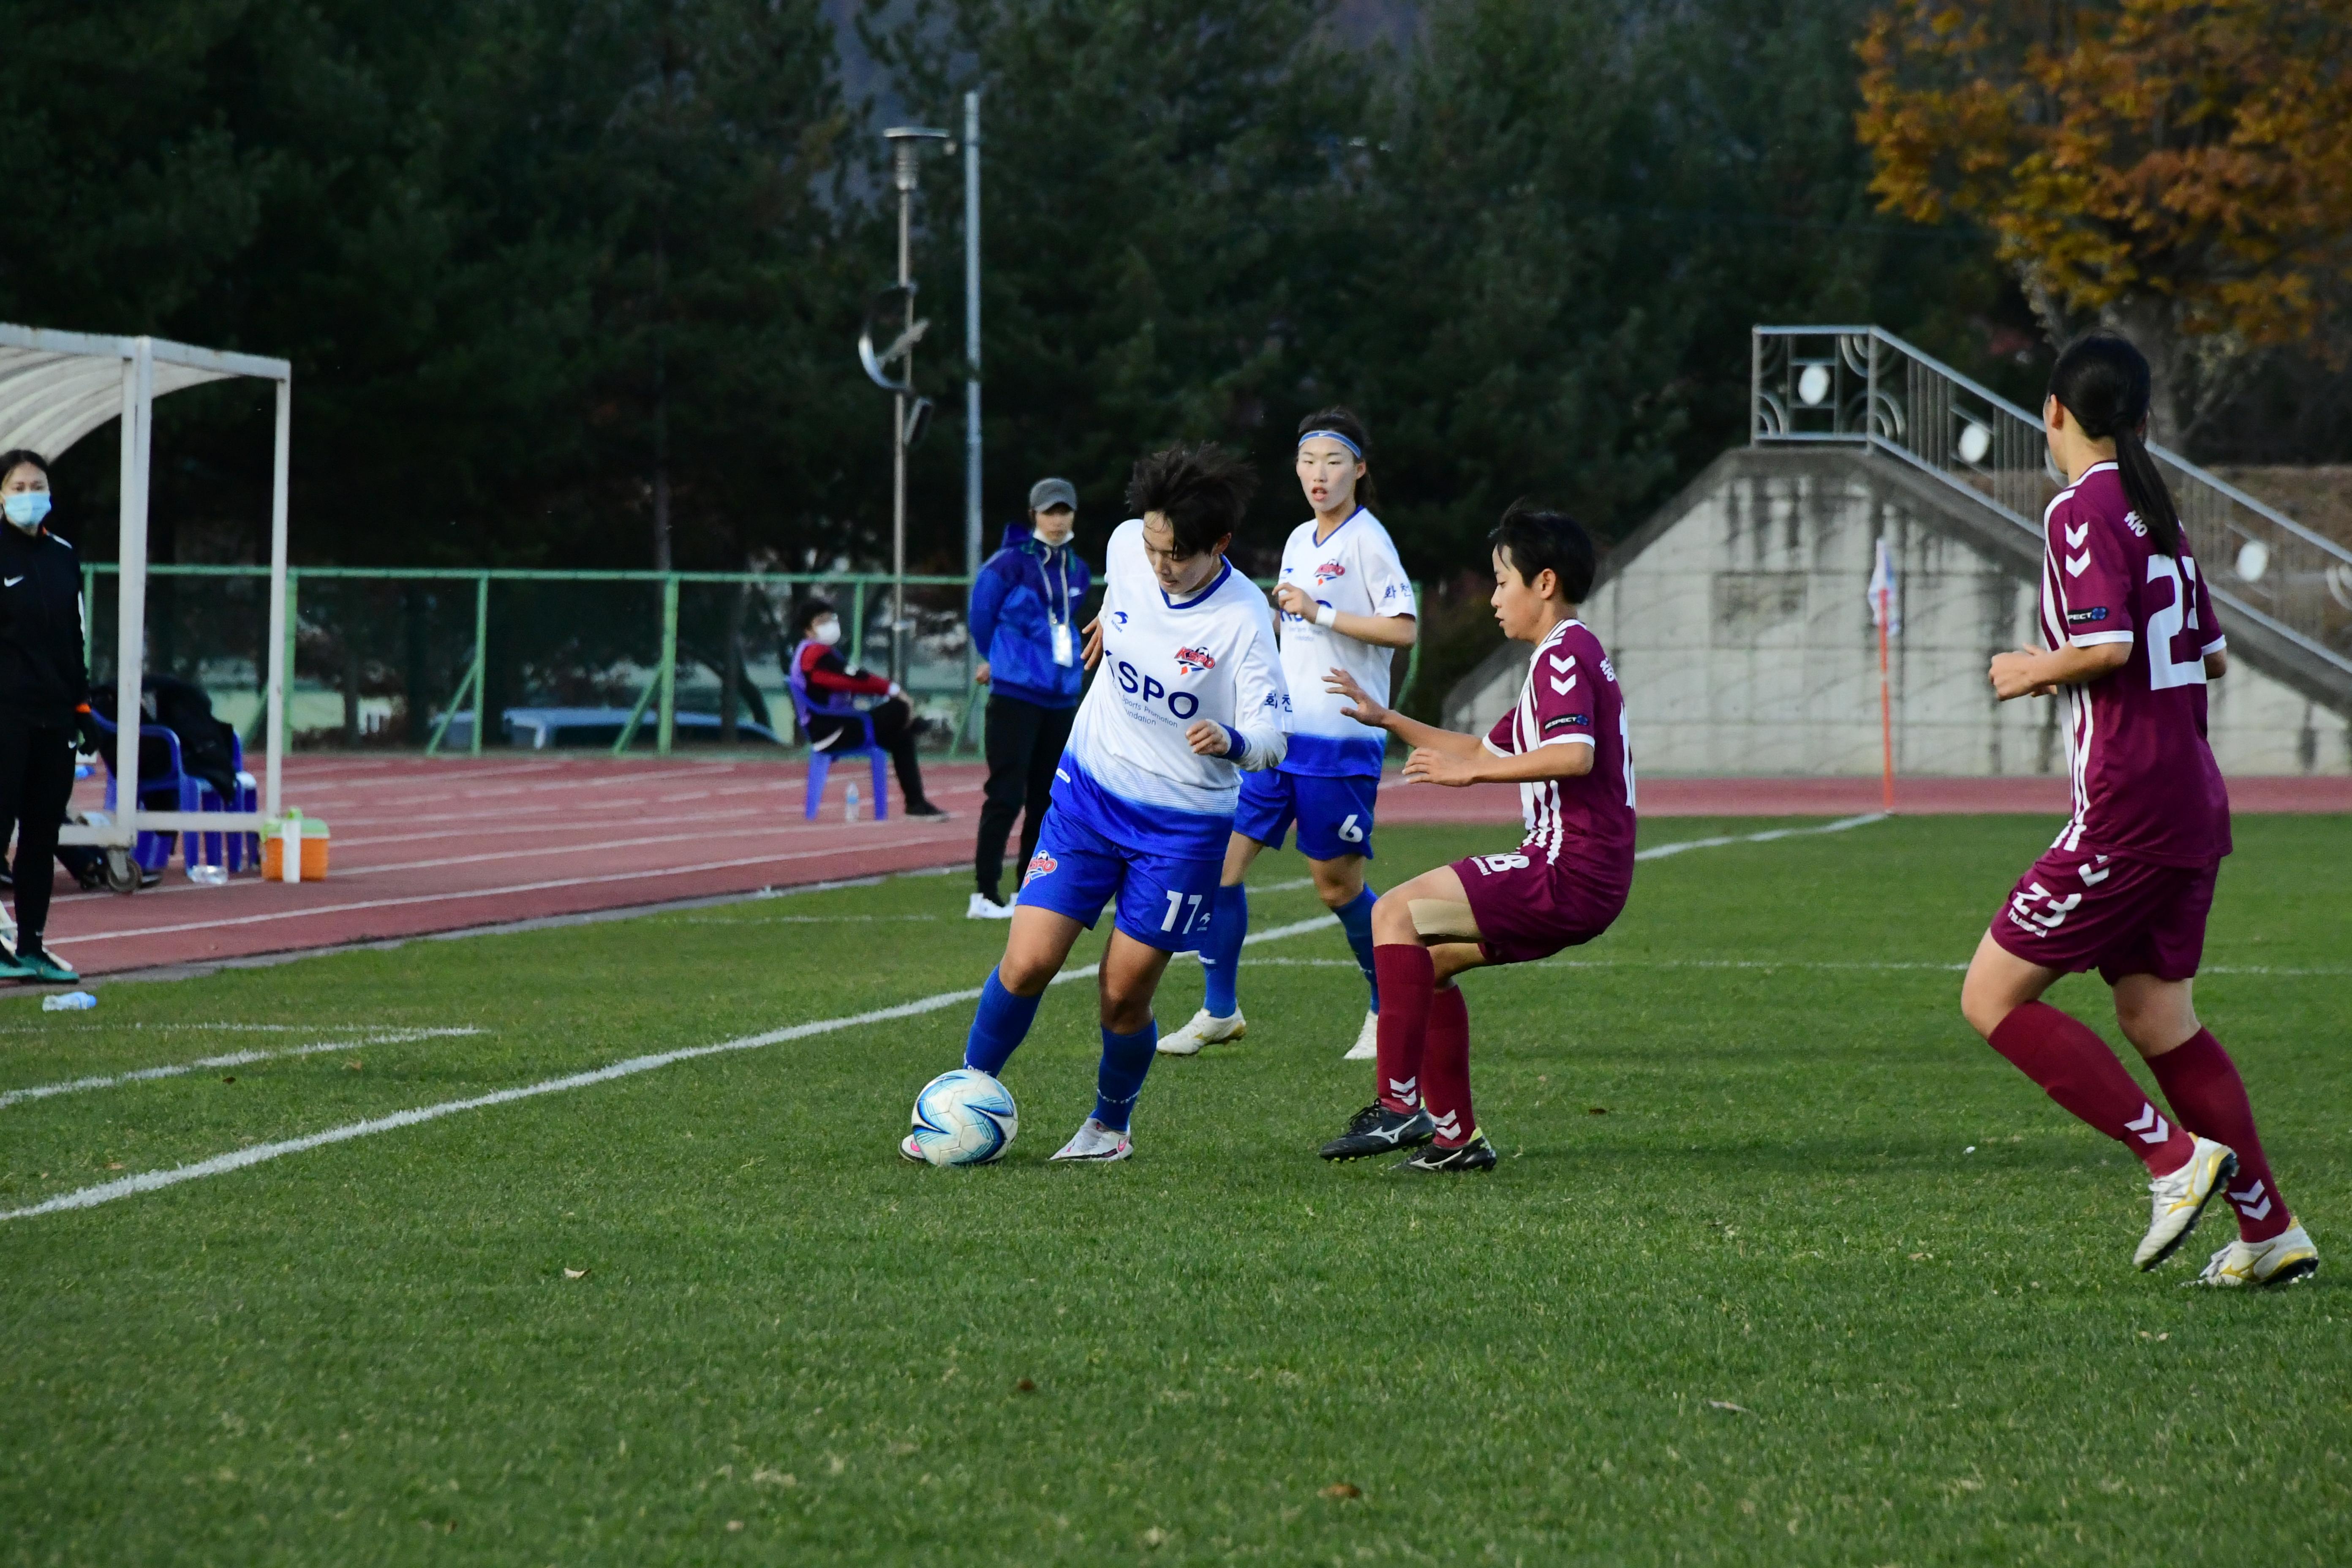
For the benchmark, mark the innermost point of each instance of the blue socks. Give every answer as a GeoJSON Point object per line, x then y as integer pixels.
{"type": "Point", "coordinates": [1221, 956]}
{"type": "Point", "coordinates": [1124, 1059]}
{"type": "Point", "coordinates": [1356, 919]}
{"type": "Point", "coordinates": [1001, 1020]}
{"type": "Point", "coordinates": [999, 1025]}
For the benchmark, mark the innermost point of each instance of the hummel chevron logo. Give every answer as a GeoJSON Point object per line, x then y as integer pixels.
{"type": "Point", "coordinates": [2074, 536]}
{"type": "Point", "coordinates": [2254, 1203]}
{"type": "Point", "coordinates": [2095, 878]}
{"type": "Point", "coordinates": [1564, 665]}
{"type": "Point", "coordinates": [2078, 564]}
{"type": "Point", "coordinates": [1564, 687]}
{"type": "Point", "coordinates": [2151, 1127]}
{"type": "Point", "coordinates": [1448, 1125]}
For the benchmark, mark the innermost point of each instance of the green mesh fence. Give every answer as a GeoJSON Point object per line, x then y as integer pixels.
{"type": "Point", "coordinates": [641, 660]}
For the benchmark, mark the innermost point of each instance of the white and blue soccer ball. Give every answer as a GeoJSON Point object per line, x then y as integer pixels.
{"type": "Point", "coordinates": [963, 1118]}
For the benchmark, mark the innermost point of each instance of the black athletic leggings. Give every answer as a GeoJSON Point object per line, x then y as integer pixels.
{"type": "Point", "coordinates": [894, 731]}
{"type": "Point", "coordinates": [37, 779]}
{"type": "Point", "coordinates": [1024, 742]}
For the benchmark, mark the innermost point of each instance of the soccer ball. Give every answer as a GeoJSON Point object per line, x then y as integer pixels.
{"type": "Point", "coordinates": [964, 1118]}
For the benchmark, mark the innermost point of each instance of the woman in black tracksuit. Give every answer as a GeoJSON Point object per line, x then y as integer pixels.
{"type": "Point", "coordinates": [44, 698]}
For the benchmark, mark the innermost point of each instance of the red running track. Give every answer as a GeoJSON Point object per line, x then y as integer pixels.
{"type": "Point", "coordinates": [443, 845]}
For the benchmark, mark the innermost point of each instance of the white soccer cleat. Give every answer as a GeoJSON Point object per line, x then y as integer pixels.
{"type": "Point", "coordinates": [983, 908]}
{"type": "Point", "coordinates": [1206, 1029]}
{"type": "Point", "coordinates": [2180, 1199]}
{"type": "Point", "coordinates": [1368, 1041]}
{"type": "Point", "coordinates": [2281, 1260]}
{"type": "Point", "coordinates": [1097, 1143]}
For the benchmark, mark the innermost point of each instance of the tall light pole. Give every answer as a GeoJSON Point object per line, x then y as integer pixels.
{"type": "Point", "coordinates": [971, 518]}
{"type": "Point", "coordinates": [906, 151]}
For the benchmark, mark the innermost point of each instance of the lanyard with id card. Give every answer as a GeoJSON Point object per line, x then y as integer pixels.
{"type": "Point", "coordinates": [1065, 653]}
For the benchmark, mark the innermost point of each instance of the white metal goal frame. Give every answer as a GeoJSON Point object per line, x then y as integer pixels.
{"type": "Point", "coordinates": [57, 387]}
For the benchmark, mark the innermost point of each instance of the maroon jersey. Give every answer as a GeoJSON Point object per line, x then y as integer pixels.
{"type": "Point", "coordinates": [2145, 784]}
{"type": "Point", "coordinates": [1570, 698]}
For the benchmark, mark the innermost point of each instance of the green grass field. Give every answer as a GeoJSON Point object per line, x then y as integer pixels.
{"type": "Point", "coordinates": [1781, 1264]}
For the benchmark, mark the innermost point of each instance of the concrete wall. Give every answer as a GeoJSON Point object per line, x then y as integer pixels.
{"type": "Point", "coordinates": [1738, 623]}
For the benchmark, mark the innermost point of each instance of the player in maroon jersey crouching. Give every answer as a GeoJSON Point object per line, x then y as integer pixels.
{"type": "Point", "coordinates": [2125, 888]}
{"type": "Point", "coordinates": [1564, 744]}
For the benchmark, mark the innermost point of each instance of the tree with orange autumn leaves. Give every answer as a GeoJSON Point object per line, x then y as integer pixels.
{"type": "Point", "coordinates": [2180, 171]}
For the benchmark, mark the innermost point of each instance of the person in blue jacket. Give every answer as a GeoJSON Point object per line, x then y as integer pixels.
{"type": "Point", "coordinates": [1024, 619]}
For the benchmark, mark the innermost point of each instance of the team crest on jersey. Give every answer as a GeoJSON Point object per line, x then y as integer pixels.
{"type": "Point", "coordinates": [1328, 571]}
{"type": "Point", "coordinates": [1040, 865]}
{"type": "Point", "coordinates": [1194, 660]}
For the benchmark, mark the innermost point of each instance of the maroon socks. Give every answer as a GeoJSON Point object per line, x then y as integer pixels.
{"type": "Point", "coordinates": [2075, 1068]}
{"type": "Point", "coordinates": [2202, 1083]}
{"type": "Point", "coordinates": [1406, 977]}
{"type": "Point", "coordinates": [1445, 1068]}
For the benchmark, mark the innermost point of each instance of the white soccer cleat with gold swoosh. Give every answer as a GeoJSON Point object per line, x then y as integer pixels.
{"type": "Point", "coordinates": [2281, 1260]}
{"type": "Point", "coordinates": [2180, 1199]}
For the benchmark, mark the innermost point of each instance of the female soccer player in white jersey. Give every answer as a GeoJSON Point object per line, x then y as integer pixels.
{"type": "Point", "coordinates": [1566, 745]}
{"type": "Point", "coordinates": [1189, 694]}
{"type": "Point", "coordinates": [1345, 602]}
{"type": "Point", "coordinates": [2125, 888]}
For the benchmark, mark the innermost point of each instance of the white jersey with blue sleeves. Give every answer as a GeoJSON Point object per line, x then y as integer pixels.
{"type": "Point", "coordinates": [1356, 572]}
{"type": "Point", "coordinates": [1128, 773]}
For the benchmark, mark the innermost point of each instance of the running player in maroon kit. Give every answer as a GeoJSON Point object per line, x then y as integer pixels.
{"type": "Point", "coordinates": [1565, 745]}
{"type": "Point", "coordinates": [2125, 888]}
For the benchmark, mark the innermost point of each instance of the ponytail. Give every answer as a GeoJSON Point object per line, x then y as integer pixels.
{"type": "Point", "coordinates": [2104, 381]}
{"type": "Point", "coordinates": [2144, 487]}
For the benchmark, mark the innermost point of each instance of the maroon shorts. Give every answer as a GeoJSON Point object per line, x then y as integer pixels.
{"type": "Point", "coordinates": [1527, 907]}
{"type": "Point", "coordinates": [2075, 910]}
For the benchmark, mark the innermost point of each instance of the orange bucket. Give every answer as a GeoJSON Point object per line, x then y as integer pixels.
{"type": "Point", "coordinates": [312, 866]}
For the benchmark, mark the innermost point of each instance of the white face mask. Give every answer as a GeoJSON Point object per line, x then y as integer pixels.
{"type": "Point", "coordinates": [826, 631]}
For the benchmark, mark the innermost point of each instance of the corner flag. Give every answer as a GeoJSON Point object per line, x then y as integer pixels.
{"type": "Point", "coordinates": [1886, 614]}
{"type": "Point", "coordinates": [1885, 605]}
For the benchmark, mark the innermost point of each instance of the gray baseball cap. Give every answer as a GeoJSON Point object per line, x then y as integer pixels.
{"type": "Point", "coordinates": [1047, 494]}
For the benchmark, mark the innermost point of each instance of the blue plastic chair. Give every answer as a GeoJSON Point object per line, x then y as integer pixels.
{"type": "Point", "coordinates": [175, 790]}
{"type": "Point", "coordinates": [239, 849]}
{"type": "Point", "coordinates": [821, 763]}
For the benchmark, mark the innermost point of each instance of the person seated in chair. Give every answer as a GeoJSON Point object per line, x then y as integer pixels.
{"type": "Point", "coordinates": [832, 681]}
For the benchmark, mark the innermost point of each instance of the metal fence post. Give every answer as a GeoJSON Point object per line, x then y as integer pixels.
{"type": "Point", "coordinates": [293, 642]}
{"type": "Point", "coordinates": [481, 656]}
{"type": "Point", "coordinates": [668, 665]}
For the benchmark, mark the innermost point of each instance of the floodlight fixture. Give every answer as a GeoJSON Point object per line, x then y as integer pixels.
{"type": "Point", "coordinates": [906, 426]}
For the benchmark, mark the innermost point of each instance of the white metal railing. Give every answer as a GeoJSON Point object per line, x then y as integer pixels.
{"type": "Point", "coordinates": [1865, 387]}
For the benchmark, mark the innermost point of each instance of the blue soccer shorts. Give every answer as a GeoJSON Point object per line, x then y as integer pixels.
{"type": "Point", "coordinates": [1334, 815]}
{"type": "Point", "coordinates": [1164, 901]}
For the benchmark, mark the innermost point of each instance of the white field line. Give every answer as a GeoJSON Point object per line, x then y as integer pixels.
{"type": "Point", "coordinates": [236, 1160]}
{"type": "Point", "coordinates": [1660, 851]}
{"type": "Point", "coordinates": [233, 1059]}
{"type": "Point", "coordinates": [1289, 886]}
{"type": "Point", "coordinates": [62, 1027]}
{"type": "Point", "coordinates": [218, 922]}
{"type": "Point", "coordinates": [805, 920]}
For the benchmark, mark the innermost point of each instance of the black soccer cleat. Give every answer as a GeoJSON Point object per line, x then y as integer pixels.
{"type": "Point", "coordinates": [1476, 1155]}
{"type": "Point", "coordinates": [1377, 1130]}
